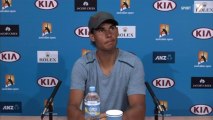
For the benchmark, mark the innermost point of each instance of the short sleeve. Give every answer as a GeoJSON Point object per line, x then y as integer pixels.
{"type": "Point", "coordinates": [78, 75]}
{"type": "Point", "coordinates": [137, 83]}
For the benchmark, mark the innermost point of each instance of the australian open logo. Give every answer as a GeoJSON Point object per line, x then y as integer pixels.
{"type": "Point", "coordinates": [47, 31]}
{"type": "Point", "coordinates": [202, 60]}
{"type": "Point", "coordinates": [10, 83]}
{"type": "Point", "coordinates": [164, 33]}
{"type": "Point", "coordinates": [125, 7]}
{"type": "Point", "coordinates": [9, 80]}
{"type": "Point", "coordinates": [6, 6]}
{"type": "Point", "coordinates": [46, 28]}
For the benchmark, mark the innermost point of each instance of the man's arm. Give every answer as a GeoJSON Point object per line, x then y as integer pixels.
{"type": "Point", "coordinates": [73, 110]}
{"type": "Point", "coordinates": [137, 108]}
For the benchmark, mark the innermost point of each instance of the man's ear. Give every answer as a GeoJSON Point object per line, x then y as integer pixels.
{"type": "Point", "coordinates": [91, 36]}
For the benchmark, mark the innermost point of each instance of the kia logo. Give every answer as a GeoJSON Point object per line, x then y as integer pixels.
{"type": "Point", "coordinates": [48, 81]}
{"type": "Point", "coordinates": [201, 109]}
{"type": "Point", "coordinates": [164, 5]}
{"type": "Point", "coordinates": [9, 56]}
{"type": "Point", "coordinates": [163, 82]}
{"type": "Point", "coordinates": [82, 31]}
{"type": "Point", "coordinates": [203, 33]}
{"type": "Point", "coordinates": [46, 4]}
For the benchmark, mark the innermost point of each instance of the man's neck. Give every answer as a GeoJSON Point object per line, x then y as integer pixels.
{"type": "Point", "coordinates": [107, 56]}
{"type": "Point", "coordinates": [107, 59]}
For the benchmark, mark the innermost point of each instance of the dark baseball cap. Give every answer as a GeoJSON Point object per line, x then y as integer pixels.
{"type": "Point", "coordinates": [100, 17]}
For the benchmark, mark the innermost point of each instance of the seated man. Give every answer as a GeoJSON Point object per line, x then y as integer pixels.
{"type": "Point", "coordinates": [117, 74]}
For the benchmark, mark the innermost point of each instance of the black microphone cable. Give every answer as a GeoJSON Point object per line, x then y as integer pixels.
{"type": "Point", "coordinates": [50, 99]}
{"type": "Point", "coordinates": [160, 107]}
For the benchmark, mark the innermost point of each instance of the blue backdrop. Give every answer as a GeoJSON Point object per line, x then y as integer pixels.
{"type": "Point", "coordinates": [41, 39]}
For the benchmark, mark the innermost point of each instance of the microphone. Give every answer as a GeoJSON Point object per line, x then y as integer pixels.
{"type": "Point", "coordinates": [160, 107]}
{"type": "Point", "coordinates": [50, 99]}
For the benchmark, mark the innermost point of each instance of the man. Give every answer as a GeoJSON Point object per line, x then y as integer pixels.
{"type": "Point", "coordinates": [117, 75]}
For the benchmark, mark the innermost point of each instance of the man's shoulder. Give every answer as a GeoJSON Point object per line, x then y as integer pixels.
{"type": "Point", "coordinates": [125, 53]}
{"type": "Point", "coordinates": [87, 58]}
{"type": "Point", "coordinates": [128, 57]}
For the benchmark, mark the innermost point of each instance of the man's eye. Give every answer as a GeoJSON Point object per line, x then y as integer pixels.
{"type": "Point", "coordinates": [112, 27]}
{"type": "Point", "coordinates": [100, 30]}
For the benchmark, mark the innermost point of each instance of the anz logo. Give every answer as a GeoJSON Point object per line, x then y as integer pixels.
{"type": "Point", "coordinates": [10, 107]}
{"type": "Point", "coordinates": [163, 57]}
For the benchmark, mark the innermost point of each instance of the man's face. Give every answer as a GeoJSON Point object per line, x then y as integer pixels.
{"type": "Point", "coordinates": [105, 36]}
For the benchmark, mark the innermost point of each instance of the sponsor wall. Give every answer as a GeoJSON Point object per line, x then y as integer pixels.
{"type": "Point", "coordinates": [41, 39]}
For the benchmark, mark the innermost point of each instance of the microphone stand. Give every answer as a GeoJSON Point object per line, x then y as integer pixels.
{"type": "Point", "coordinates": [158, 107]}
{"type": "Point", "coordinates": [156, 112]}
{"type": "Point", "coordinates": [48, 106]}
{"type": "Point", "coordinates": [50, 111]}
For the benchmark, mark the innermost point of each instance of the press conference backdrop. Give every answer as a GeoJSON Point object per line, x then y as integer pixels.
{"type": "Point", "coordinates": [41, 39]}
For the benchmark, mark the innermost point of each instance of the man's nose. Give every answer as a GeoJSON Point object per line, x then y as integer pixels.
{"type": "Point", "coordinates": [108, 32]}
